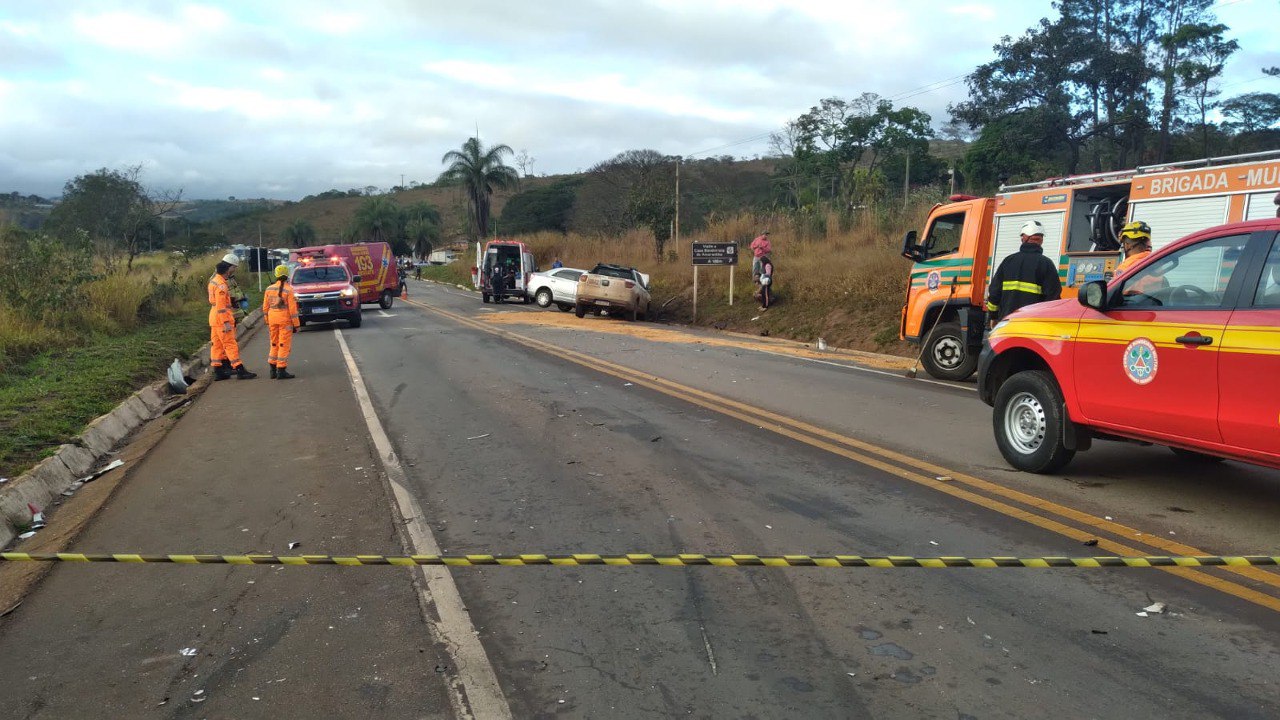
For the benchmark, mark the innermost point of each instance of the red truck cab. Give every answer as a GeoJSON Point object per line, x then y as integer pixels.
{"type": "Point", "coordinates": [326, 291]}
{"type": "Point", "coordinates": [372, 263]}
{"type": "Point", "coordinates": [1181, 350]}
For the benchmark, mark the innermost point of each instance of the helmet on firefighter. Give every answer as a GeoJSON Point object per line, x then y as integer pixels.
{"type": "Point", "coordinates": [282, 271]}
{"type": "Point", "coordinates": [1136, 232]}
{"type": "Point", "coordinates": [231, 259]}
{"type": "Point", "coordinates": [1032, 228]}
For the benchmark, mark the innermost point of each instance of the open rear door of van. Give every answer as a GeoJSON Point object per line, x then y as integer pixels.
{"type": "Point", "coordinates": [479, 266]}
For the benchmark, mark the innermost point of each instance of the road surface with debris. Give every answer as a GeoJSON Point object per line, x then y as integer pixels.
{"type": "Point", "coordinates": [519, 430]}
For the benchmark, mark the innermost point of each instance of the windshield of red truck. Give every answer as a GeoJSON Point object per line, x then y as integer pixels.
{"type": "Point", "coordinates": [329, 273]}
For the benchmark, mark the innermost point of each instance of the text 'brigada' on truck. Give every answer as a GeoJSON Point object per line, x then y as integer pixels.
{"type": "Point", "coordinates": [966, 239]}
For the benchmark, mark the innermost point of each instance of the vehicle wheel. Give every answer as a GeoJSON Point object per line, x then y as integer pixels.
{"type": "Point", "coordinates": [355, 320]}
{"type": "Point", "coordinates": [525, 299]}
{"type": "Point", "coordinates": [565, 307]}
{"type": "Point", "coordinates": [484, 297]}
{"type": "Point", "coordinates": [1028, 421]}
{"type": "Point", "coordinates": [544, 298]}
{"type": "Point", "coordinates": [945, 355]}
{"type": "Point", "coordinates": [579, 310]}
{"type": "Point", "coordinates": [1198, 457]}
{"type": "Point", "coordinates": [385, 300]}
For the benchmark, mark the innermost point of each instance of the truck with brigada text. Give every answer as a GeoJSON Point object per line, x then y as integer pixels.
{"type": "Point", "coordinates": [965, 239]}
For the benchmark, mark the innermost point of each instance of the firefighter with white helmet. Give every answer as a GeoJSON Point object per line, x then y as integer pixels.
{"type": "Point", "coordinates": [1025, 277]}
{"type": "Point", "coordinates": [224, 354]}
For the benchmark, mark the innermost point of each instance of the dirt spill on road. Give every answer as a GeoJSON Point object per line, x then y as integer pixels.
{"type": "Point", "coordinates": [655, 333]}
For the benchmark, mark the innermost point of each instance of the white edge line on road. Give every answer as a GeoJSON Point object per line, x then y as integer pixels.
{"type": "Point", "coordinates": [483, 695]}
{"type": "Point", "coordinates": [868, 370]}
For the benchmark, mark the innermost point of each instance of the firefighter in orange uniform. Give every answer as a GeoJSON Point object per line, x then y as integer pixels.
{"type": "Point", "coordinates": [1135, 238]}
{"type": "Point", "coordinates": [280, 306]}
{"type": "Point", "coordinates": [225, 353]}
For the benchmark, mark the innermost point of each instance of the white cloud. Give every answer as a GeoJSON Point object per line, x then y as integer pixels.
{"type": "Point", "coordinates": [129, 32]}
{"type": "Point", "coordinates": [251, 104]}
{"type": "Point", "coordinates": [986, 13]}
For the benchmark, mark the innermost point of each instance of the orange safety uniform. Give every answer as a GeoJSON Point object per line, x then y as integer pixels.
{"type": "Point", "coordinates": [222, 325]}
{"type": "Point", "coordinates": [280, 305]}
{"type": "Point", "coordinates": [1146, 285]}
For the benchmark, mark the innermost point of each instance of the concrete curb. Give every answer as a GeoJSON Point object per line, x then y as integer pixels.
{"type": "Point", "coordinates": [53, 475]}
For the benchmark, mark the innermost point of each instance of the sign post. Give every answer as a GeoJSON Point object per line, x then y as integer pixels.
{"type": "Point", "coordinates": [713, 254]}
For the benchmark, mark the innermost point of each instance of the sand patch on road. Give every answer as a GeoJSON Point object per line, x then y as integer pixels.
{"type": "Point", "coordinates": [658, 333]}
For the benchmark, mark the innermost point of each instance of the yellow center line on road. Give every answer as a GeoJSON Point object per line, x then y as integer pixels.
{"type": "Point", "coordinates": [891, 462]}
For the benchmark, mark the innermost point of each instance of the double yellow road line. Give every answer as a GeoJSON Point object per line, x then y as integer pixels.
{"type": "Point", "coordinates": [1045, 514]}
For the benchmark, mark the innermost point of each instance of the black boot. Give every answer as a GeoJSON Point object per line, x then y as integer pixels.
{"type": "Point", "coordinates": [284, 374]}
{"type": "Point", "coordinates": [243, 373]}
{"type": "Point", "coordinates": [221, 372]}
{"type": "Point", "coordinates": [273, 372]}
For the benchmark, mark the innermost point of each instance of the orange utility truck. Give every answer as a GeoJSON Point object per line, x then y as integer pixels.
{"type": "Point", "coordinates": [965, 239]}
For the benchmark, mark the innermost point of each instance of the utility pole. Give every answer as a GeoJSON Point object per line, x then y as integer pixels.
{"type": "Point", "coordinates": [257, 257]}
{"type": "Point", "coordinates": [676, 225]}
{"type": "Point", "coordinates": [906, 184]}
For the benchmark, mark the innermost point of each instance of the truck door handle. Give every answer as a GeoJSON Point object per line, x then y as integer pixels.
{"type": "Point", "coordinates": [1195, 340]}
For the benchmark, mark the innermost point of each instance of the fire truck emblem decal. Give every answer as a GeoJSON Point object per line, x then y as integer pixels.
{"type": "Point", "coordinates": [1141, 361]}
{"type": "Point", "coordinates": [934, 280]}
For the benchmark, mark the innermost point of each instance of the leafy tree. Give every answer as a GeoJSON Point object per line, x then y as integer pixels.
{"type": "Point", "coordinates": [1252, 112]}
{"type": "Point", "coordinates": [543, 208]}
{"type": "Point", "coordinates": [480, 171]}
{"type": "Point", "coordinates": [113, 210]}
{"type": "Point", "coordinates": [44, 275]}
{"type": "Point", "coordinates": [647, 181]}
{"type": "Point", "coordinates": [299, 233]}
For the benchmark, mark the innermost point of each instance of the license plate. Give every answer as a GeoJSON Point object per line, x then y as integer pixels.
{"type": "Point", "coordinates": [602, 302]}
{"type": "Point", "coordinates": [319, 310]}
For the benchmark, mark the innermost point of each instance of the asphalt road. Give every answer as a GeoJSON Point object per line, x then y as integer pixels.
{"type": "Point", "coordinates": [517, 430]}
{"type": "Point", "coordinates": [518, 450]}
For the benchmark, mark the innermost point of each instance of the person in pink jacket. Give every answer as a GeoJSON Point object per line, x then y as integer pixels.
{"type": "Point", "coordinates": [760, 247]}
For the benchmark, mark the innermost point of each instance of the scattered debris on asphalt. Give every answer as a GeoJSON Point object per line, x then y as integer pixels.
{"type": "Point", "coordinates": [187, 652]}
{"type": "Point", "coordinates": [1098, 632]}
{"type": "Point", "coordinates": [1106, 517]}
{"type": "Point", "coordinates": [481, 437]}
{"type": "Point", "coordinates": [15, 607]}
{"type": "Point", "coordinates": [293, 545]}
{"type": "Point", "coordinates": [655, 438]}
{"type": "Point", "coordinates": [1155, 608]}
{"type": "Point", "coordinates": [627, 384]}
{"type": "Point", "coordinates": [109, 467]}
{"type": "Point", "coordinates": [944, 478]}
{"type": "Point", "coordinates": [933, 542]}
{"type": "Point", "coordinates": [1091, 543]}
{"type": "Point", "coordinates": [37, 517]}
{"type": "Point", "coordinates": [27, 534]}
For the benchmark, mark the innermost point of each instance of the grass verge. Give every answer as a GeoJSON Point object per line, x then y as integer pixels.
{"type": "Point", "coordinates": [49, 398]}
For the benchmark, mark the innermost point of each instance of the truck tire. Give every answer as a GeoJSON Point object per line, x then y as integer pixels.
{"type": "Point", "coordinates": [946, 356]}
{"type": "Point", "coordinates": [385, 300]}
{"type": "Point", "coordinates": [1196, 457]}
{"type": "Point", "coordinates": [544, 298]}
{"type": "Point", "coordinates": [1028, 420]}
{"type": "Point", "coordinates": [564, 307]}
{"type": "Point", "coordinates": [579, 310]}
{"type": "Point", "coordinates": [354, 320]}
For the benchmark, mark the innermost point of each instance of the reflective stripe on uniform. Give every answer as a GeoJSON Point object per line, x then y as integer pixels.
{"type": "Point", "coordinates": [1019, 286]}
{"type": "Point", "coordinates": [992, 307]}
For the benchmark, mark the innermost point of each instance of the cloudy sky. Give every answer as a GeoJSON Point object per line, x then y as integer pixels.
{"type": "Point", "coordinates": [286, 98]}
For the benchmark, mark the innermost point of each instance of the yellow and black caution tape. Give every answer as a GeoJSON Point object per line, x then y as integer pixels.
{"type": "Point", "coordinates": [683, 559]}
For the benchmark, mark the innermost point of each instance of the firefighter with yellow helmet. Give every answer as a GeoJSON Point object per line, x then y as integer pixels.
{"type": "Point", "coordinates": [280, 306]}
{"type": "Point", "coordinates": [1135, 240]}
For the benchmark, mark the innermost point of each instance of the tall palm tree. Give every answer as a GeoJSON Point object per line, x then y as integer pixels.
{"type": "Point", "coordinates": [423, 227]}
{"type": "Point", "coordinates": [378, 219]}
{"type": "Point", "coordinates": [299, 233]}
{"type": "Point", "coordinates": [480, 171]}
